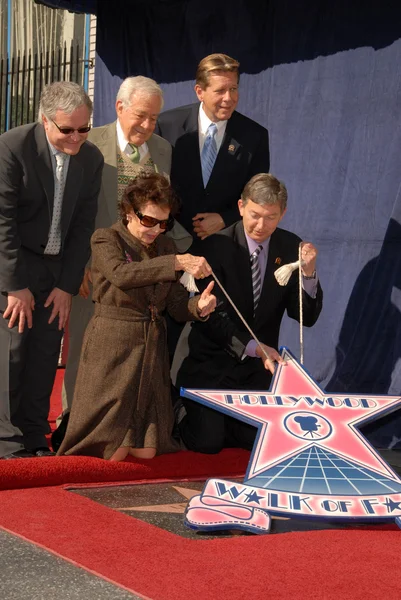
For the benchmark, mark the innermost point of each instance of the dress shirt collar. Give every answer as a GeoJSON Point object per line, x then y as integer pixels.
{"type": "Point", "coordinates": [123, 143]}
{"type": "Point", "coordinates": [53, 152]}
{"type": "Point", "coordinates": [203, 125]}
{"type": "Point", "coordinates": [252, 245]}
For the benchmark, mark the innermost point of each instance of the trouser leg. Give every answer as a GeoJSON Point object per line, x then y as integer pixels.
{"type": "Point", "coordinates": [12, 348]}
{"type": "Point", "coordinates": [41, 361]}
{"type": "Point", "coordinates": [202, 429]}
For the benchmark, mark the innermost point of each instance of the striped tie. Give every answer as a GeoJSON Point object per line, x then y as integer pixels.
{"type": "Point", "coordinates": [209, 153]}
{"type": "Point", "coordinates": [53, 245]}
{"type": "Point", "coordinates": [256, 276]}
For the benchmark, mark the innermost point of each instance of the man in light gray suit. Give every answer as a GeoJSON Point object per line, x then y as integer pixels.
{"type": "Point", "coordinates": [128, 146]}
{"type": "Point", "coordinates": [49, 183]}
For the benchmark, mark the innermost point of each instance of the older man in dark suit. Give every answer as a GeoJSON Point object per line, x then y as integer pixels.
{"type": "Point", "coordinates": [221, 354]}
{"type": "Point", "coordinates": [138, 104]}
{"type": "Point", "coordinates": [49, 183]}
{"type": "Point", "coordinates": [216, 149]}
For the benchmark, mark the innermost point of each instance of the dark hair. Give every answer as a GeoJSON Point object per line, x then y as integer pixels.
{"type": "Point", "coordinates": [263, 189]}
{"type": "Point", "coordinates": [148, 187]}
{"type": "Point", "coordinates": [215, 63]}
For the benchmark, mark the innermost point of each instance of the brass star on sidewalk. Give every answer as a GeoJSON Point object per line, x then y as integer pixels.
{"type": "Point", "coordinates": [176, 507]}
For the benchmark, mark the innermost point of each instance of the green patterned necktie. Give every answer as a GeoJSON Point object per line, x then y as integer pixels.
{"type": "Point", "coordinates": [135, 156]}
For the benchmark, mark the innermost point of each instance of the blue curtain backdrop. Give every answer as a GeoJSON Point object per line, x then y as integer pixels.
{"type": "Point", "coordinates": [323, 77]}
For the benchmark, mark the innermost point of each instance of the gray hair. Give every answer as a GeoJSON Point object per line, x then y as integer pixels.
{"type": "Point", "coordinates": [264, 188]}
{"type": "Point", "coordinates": [62, 95]}
{"type": "Point", "coordinates": [138, 85]}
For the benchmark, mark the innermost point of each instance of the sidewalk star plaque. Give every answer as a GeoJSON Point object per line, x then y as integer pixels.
{"type": "Point", "coordinates": [309, 458]}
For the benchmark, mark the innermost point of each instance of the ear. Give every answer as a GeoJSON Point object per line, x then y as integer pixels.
{"type": "Point", "coordinates": [282, 214]}
{"type": "Point", "coordinates": [119, 107]}
{"type": "Point", "coordinates": [241, 207]}
{"type": "Point", "coordinates": [199, 92]}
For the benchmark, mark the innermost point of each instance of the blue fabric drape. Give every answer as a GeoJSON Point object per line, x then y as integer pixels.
{"type": "Point", "coordinates": [78, 6]}
{"type": "Point", "coordinates": [323, 77]}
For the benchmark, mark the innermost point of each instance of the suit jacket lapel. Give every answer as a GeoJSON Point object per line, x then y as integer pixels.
{"type": "Point", "coordinates": [243, 268]}
{"type": "Point", "coordinates": [191, 122]}
{"type": "Point", "coordinates": [270, 286]}
{"type": "Point", "coordinates": [71, 193]}
{"type": "Point", "coordinates": [157, 155]}
{"type": "Point", "coordinates": [44, 166]}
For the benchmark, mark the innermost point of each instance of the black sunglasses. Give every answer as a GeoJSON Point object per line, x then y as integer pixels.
{"type": "Point", "coordinates": [70, 130]}
{"type": "Point", "coordinates": [151, 221]}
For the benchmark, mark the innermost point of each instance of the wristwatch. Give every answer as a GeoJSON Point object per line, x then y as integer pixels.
{"type": "Point", "coordinates": [313, 276]}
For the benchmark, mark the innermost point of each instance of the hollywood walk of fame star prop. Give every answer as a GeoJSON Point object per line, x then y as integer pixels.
{"type": "Point", "coordinates": [309, 458]}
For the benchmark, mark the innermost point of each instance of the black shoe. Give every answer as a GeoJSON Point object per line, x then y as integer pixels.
{"type": "Point", "coordinates": [59, 433]}
{"type": "Point", "coordinates": [179, 413]}
{"type": "Point", "coordinates": [39, 452]}
{"type": "Point", "coordinates": [18, 454]}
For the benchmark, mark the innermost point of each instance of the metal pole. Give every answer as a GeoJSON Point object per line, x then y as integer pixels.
{"type": "Point", "coordinates": [8, 66]}
{"type": "Point", "coordinates": [86, 51]}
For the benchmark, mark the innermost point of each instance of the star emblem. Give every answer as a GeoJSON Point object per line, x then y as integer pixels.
{"type": "Point", "coordinates": [297, 414]}
{"type": "Point", "coordinates": [309, 457]}
{"type": "Point", "coordinates": [253, 497]}
{"type": "Point", "coordinates": [175, 507]}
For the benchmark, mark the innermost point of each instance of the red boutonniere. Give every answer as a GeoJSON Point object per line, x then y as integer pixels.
{"type": "Point", "coordinates": [277, 261]}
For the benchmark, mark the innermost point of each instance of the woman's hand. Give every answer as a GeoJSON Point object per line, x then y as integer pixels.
{"type": "Point", "coordinates": [194, 265]}
{"type": "Point", "coordinates": [207, 301]}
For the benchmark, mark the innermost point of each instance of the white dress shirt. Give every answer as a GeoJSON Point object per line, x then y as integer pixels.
{"type": "Point", "coordinates": [203, 125]}
{"type": "Point", "coordinates": [124, 144]}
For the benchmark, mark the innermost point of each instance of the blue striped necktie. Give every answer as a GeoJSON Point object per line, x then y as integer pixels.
{"type": "Point", "coordinates": [256, 276]}
{"type": "Point", "coordinates": [209, 153]}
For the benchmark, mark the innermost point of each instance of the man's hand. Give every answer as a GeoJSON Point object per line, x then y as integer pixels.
{"type": "Point", "coordinates": [61, 306]}
{"type": "Point", "coordinates": [269, 356]}
{"type": "Point", "coordinates": [207, 223]}
{"type": "Point", "coordinates": [308, 256]}
{"type": "Point", "coordinates": [207, 301]}
{"type": "Point", "coordinates": [20, 305]}
{"type": "Point", "coordinates": [84, 290]}
{"type": "Point", "coordinates": [194, 265]}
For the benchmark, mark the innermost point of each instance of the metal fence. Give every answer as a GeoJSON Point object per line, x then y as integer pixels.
{"type": "Point", "coordinates": [22, 79]}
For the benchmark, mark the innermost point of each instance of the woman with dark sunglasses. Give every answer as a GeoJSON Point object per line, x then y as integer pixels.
{"type": "Point", "coordinates": [122, 399]}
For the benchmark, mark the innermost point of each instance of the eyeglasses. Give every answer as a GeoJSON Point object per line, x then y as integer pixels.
{"type": "Point", "coordinates": [70, 130]}
{"type": "Point", "coordinates": [151, 221]}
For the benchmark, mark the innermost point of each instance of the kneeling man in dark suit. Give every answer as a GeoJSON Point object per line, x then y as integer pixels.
{"type": "Point", "coordinates": [221, 353]}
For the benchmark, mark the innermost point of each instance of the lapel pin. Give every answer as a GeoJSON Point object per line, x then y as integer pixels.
{"type": "Point", "coordinates": [231, 148]}
{"type": "Point", "coordinates": [277, 261]}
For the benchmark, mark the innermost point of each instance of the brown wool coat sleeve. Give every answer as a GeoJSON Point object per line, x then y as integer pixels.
{"type": "Point", "coordinates": [128, 275]}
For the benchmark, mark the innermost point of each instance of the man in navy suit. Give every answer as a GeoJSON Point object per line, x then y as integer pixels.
{"type": "Point", "coordinates": [242, 148]}
{"type": "Point", "coordinates": [220, 353]}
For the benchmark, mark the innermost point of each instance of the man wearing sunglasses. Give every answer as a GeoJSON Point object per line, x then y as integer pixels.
{"type": "Point", "coordinates": [49, 183]}
{"type": "Point", "coordinates": [129, 146]}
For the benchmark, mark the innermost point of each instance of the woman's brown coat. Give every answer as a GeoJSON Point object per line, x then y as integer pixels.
{"type": "Point", "coordinates": [122, 395]}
